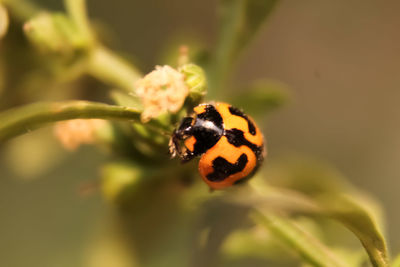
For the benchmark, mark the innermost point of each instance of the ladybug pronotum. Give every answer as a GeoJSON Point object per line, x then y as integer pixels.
{"type": "Point", "coordinates": [229, 143]}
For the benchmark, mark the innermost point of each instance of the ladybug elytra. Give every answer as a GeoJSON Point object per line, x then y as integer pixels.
{"type": "Point", "coordinates": [229, 143]}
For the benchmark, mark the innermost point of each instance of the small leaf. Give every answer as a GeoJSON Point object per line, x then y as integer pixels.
{"type": "Point", "coordinates": [352, 212]}
{"type": "Point", "coordinates": [43, 31]}
{"type": "Point", "coordinates": [23, 119]}
{"type": "Point", "coordinates": [337, 199]}
{"type": "Point", "coordinates": [240, 20]}
{"type": "Point", "coordinates": [310, 249]}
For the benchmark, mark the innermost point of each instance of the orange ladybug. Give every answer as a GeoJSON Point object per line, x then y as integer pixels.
{"type": "Point", "coordinates": [229, 143]}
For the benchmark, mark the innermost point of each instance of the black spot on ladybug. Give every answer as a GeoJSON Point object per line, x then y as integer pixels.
{"type": "Point", "coordinates": [207, 130]}
{"type": "Point", "coordinates": [236, 138]}
{"type": "Point", "coordinates": [211, 114]}
{"type": "Point", "coordinates": [248, 177]}
{"type": "Point", "coordinates": [238, 112]}
{"type": "Point", "coordinates": [223, 168]}
{"type": "Point", "coordinates": [206, 138]}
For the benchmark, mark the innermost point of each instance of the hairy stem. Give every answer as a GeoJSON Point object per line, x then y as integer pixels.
{"type": "Point", "coordinates": [24, 119]}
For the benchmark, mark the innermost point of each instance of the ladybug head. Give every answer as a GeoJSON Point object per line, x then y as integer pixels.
{"type": "Point", "coordinates": [180, 134]}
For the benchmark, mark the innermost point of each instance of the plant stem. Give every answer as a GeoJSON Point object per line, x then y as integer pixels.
{"type": "Point", "coordinates": [77, 11]}
{"type": "Point", "coordinates": [104, 64]}
{"type": "Point", "coordinates": [110, 68]}
{"type": "Point", "coordinates": [310, 249]}
{"type": "Point", "coordinates": [24, 119]}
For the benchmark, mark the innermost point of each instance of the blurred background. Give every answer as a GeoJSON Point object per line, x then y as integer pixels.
{"type": "Point", "coordinates": [340, 60]}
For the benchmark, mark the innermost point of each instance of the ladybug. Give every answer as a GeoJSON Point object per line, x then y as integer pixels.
{"type": "Point", "coordinates": [229, 143]}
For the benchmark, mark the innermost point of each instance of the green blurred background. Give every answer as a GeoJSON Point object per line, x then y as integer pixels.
{"type": "Point", "coordinates": [339, 58]}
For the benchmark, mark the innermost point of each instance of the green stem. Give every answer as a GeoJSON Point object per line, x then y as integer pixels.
{"type": "Point", "coordinates": [110, 68]}
{"type": "Point", "coordinates": [310, 249]}
{"type": "Point", "coordinates": [24, 119]}
{"type": "Point", "coordinates": [104, 64]}
{"type": "Point", "coordinates": [77, 11]}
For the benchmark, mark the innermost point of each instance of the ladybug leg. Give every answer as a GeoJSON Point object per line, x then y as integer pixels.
{"type": "Point", "coordinates": [174, 145]}
{"type": "Point", "coordinates": [184, 130]}
{"type": "Point", "coordinates": [187, 156]}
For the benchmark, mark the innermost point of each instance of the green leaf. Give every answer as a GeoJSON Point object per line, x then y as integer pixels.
{"type": "Point", "coordinates": [240, 20]}
{"type": "Point", "coordinates": [310, 249]}
{"type": "Point", "coordinates": [261, 97]}
{"type": "Point", "coordinates": [45, 33]}
{"type": "Point", "coordinates": [23, 119]}
{"type": "Point", "coordinates": [336, 199]}
{"type": "Point", "coordinates": [354, 214]}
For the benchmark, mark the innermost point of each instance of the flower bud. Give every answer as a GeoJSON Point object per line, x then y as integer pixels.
{"type": "Point", "coordinates": [73, 133]}
{"type": "Point", "coordinates": [161, 91]}
{"type": "Point", "coordinates": [196, 81]}
{"type": "Point", "coordinates": [54, 33]}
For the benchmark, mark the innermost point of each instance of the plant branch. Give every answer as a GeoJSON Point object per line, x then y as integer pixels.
{"type": "Point", "coordinates": [110, 68]}
{"type": "Point", "coordinates": [77, 11]}
{"type": "Point", "coordinates": [310, 249]}
{"type": "Point", "coordinates": [24, 119]}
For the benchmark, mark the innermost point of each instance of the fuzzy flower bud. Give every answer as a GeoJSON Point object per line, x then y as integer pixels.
{"type": "Point", "coordinates": [54, 33]}
{"type": "Point", "coordinates": [162, 90]}
{"type": "Point", "coordinates": [73, 133]}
